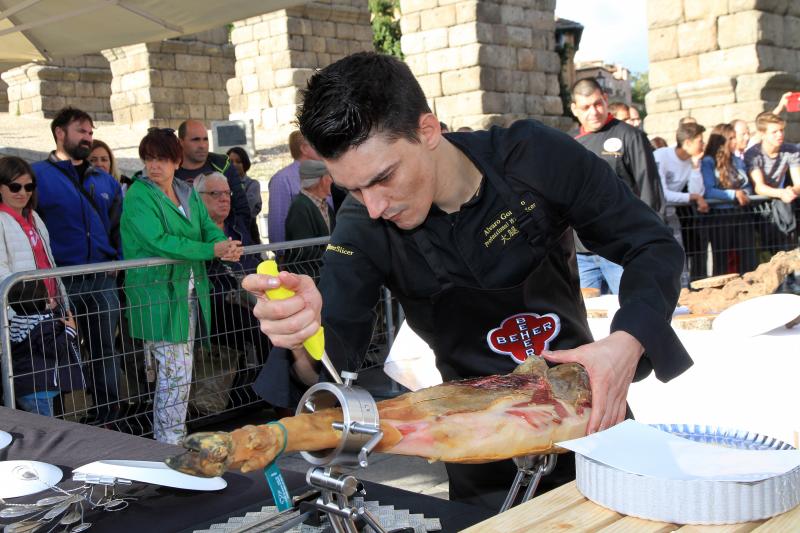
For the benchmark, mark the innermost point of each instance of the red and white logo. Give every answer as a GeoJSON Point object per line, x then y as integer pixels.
{"type": "Point", "coordinates": [524, 335]}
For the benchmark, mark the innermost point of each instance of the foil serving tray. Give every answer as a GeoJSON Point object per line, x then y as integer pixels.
{"type": "Point", "coordinates": [695, 501]}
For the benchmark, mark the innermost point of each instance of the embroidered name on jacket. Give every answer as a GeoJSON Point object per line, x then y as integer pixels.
{"type": "Point", "coordinates": [501, 230]}
{"type": "Point", "coordinates": [339, 249]}
{"type": "Point", "coordinates": [524, 335]}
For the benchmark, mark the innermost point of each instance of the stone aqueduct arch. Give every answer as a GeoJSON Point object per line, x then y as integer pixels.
{"type": "Point", "coordinates": [720, 60]}
{"type": "Point", "coordinates": [480, 62]}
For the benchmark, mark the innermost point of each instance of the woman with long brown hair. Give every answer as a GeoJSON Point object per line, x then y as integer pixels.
{"type": "Point", "coordinates": [725, 179]}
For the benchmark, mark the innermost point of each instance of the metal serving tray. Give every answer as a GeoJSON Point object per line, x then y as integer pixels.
{"type": "Point", "coordinates": [696, 501]}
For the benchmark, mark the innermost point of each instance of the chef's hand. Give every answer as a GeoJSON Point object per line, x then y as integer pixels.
{"type": "Point", "coordinates": [611, 364]}
{"type": "Point", "coordinates": [288, 322]}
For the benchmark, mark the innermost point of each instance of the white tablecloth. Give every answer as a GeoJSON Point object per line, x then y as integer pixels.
{"type": "Point", "coordinates": [748, 383]}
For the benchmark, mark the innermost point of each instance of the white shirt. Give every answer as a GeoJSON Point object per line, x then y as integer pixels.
{"type": "Point", "coordinates": [676, 175]}
{"type": "Point", "coordinates": [191, 271]}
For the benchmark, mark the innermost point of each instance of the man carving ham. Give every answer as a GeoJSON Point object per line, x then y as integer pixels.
{"type": "Point", "coordinates": [415, 221]}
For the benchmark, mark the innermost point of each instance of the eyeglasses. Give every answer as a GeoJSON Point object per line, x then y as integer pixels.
{"type": "Point", "coordinates": [162, 131]}
{"type": "Point", "coordinates": [16, 187]}
{"type": "Point", "coordinates": [218, 194]}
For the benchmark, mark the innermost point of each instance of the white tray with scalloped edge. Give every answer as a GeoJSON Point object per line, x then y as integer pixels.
{"type": "Point", "coordinates": [692, 501]}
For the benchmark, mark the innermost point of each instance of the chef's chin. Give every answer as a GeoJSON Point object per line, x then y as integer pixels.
{"type": "Point", "coordinates": [403, 221]}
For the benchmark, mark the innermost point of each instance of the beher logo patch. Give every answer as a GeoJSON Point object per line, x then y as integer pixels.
{"type": "Point", "coordinates": [524, 335]}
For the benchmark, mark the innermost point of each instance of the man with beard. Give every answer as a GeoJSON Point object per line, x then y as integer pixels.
{"type": "Point", "coordinates": [81, 207]}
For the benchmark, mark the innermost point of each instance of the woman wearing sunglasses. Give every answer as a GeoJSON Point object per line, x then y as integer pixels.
{"type": "Point", "coordinates": [43, 347]}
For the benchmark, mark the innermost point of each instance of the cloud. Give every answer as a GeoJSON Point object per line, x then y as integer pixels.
{"type": "Point", "coordinates": [615, 32]}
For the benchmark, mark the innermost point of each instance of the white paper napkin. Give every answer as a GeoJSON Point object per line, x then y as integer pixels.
{"type": "Point", "coordinates": [411, 362]}
{"type": "Point", "coordinates": [644, 450]}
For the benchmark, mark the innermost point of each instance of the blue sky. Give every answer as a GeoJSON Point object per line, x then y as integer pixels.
{"type": "Point", "coordinates": [614, 31]}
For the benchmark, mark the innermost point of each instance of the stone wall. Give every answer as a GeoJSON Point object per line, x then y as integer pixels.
{"type": "Point", "coordinates": [41, 90]}
{"type": "Point", "coordinates": [277, 52]}
{"type": "Point", "coordinates": [482, 62]}
{"type": "Point", "coordinates": [720, 60]}
{"type": "Point", "coordinates": [164, 83]}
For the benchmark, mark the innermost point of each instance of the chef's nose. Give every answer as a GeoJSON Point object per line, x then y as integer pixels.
{"type": "Point", "coordinates": [374, 202]}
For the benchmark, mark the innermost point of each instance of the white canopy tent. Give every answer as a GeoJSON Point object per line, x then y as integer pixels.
{"type": "Point", "coordinates": [33, 30]}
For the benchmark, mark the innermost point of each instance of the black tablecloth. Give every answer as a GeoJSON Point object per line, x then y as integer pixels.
{"type": "Point", "coordinates": [162, 509]}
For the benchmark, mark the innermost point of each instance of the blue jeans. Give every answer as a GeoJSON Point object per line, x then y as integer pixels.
{"type": "Point", "coordinates": [37, 402]}
{"type": "Point", "coordinates": [599, 273]}
{"type": "Point", "coordinates": [96, 306]}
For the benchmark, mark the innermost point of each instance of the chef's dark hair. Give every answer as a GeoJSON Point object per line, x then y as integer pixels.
{"type": "Point", "coordinates": [360, 95]}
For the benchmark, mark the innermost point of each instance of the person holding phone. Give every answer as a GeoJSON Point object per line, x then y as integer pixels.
{"type": "Point", "coordinates": [790, 102]}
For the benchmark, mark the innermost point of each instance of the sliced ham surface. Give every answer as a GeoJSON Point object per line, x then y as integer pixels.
{"type": "Point", "coordinates": [470, 421]}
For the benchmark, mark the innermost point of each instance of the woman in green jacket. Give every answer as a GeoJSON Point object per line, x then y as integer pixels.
{"type": "Point", "coordinates": [164, 217]}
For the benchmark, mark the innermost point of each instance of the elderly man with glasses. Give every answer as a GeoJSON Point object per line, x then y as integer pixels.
{"type": "Point", "coordinates": [232, 322]}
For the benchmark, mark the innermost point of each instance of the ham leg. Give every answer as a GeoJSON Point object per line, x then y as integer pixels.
{"type": "Point", "coordinates": [470, 421]}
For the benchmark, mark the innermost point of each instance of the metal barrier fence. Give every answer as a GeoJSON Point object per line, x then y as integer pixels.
{"type": "Point", "coordinates": [107, 375]}
{"type": "Point", "coordinates": [731, 238]}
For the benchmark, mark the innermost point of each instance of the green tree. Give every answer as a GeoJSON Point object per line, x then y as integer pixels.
{"type": "Point", "coordinates": [385, 27]}
{"type": "Point", "coordinates": [640, 86]}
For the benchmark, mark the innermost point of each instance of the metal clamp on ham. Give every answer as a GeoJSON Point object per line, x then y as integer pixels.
{"type": "Point", "coordinates": [360, 434]}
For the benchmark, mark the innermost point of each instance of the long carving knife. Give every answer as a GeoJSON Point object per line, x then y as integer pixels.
{"type": "Point", "coordinates": [314, 345]}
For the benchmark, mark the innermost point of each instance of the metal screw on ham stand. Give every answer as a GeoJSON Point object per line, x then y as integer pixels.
{"type": "Point", "coordinates": [530, 469]}
{"type": "Point", "coordinates": [360, 427]}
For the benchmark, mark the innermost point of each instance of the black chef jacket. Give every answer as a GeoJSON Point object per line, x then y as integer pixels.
{"type": "Point", "coordinates": [575, 188]}
{"type": "Point", "coordinates": [628, 152]}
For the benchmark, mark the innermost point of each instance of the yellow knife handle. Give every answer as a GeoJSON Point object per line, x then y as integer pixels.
{"type": "Point", "coordinates": [314, 345]}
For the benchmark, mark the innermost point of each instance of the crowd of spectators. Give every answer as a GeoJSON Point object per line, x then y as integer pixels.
{"type": "Point", "coordinates": [187, 203]}
{"type": "Point", "coordinates": [707, 178]}
{"type": "Point", "coordinates": [74, 209]}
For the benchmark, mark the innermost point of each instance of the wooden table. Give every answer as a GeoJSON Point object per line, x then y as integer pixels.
{"type": "Point", "coordinates": [566, 509]}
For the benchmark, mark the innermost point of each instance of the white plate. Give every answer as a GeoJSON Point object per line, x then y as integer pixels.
{"type": "Point", "coordinates": [152, 472]}
{"type": "Point", "coordinates": [759, 315]}
{"type": "Point", "coordinates": [21, 478]}
{"type": "Point", "coordinates": [5, 439]}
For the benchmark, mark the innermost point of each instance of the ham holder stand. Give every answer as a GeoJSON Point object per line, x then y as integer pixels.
{"type": "Point", "coordinates": [361, 432]}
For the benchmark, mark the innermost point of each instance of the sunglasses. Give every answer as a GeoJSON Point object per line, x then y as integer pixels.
{"type": "Point", "coordinates": [16, 187]}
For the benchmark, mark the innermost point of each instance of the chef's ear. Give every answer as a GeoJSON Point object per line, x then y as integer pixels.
{"type": "Point", "coordinates": [430, 130]}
